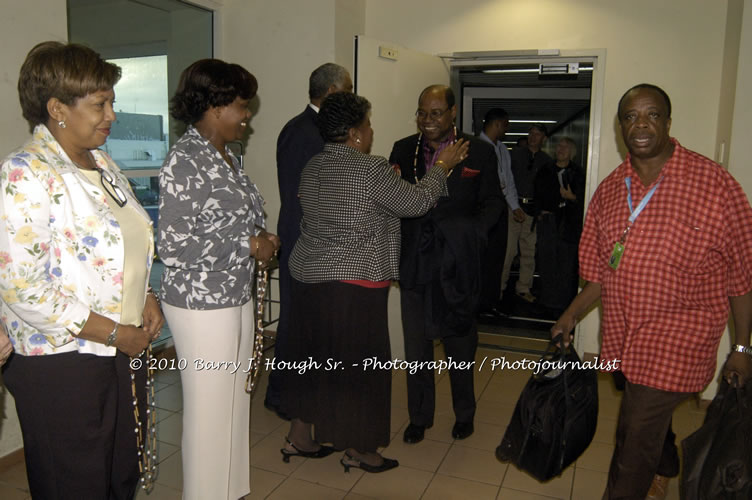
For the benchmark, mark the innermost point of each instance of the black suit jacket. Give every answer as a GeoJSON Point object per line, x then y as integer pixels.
{"type": "Point", "coordinates": [474, 192]}
{"type": "Point", "coordinates": [475, 197]}
{"type": "Point", "coordinates": [298, 142]}
{"type": "Point", "coordinates": [547, 197]}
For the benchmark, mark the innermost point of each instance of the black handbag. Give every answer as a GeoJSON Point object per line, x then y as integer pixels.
{"type": "Point", "coordinates": [718, 456]}
{"type": "Point", "coordinates": [555, 417]}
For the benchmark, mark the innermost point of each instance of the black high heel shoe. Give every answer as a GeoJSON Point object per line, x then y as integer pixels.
{"type": "Point", "coordinates": [323, 451]}
{"type": "Point", "coordinates": [387, 464]}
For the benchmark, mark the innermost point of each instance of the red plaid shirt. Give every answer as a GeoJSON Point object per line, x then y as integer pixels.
{"type": "Point", "coordinates": [666, 306]}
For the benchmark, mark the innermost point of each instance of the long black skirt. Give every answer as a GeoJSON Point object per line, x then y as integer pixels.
{"type": "Point", "coordinates": [331, 377]}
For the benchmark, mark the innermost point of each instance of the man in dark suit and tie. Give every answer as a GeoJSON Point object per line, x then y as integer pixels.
{"type": "Point", "coordinates": [440, 266]}
{"type": "Point", "coordinates": [298, 142]}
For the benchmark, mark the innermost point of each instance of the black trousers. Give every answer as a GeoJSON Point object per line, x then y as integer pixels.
{"type": "Point", "coordinates": [493, 264]}
{"type": "Point", "coordinates": [421, 391]}
{"type": "Point", "coordinates": [556, 264]}
{"type": "Point", "coordinates": [77, 422]}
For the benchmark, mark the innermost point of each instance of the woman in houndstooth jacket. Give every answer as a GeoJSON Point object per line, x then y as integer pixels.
{"type": "Point", "coordinates": [342, 265]}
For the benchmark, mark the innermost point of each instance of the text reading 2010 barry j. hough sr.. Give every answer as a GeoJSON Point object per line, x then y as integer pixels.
{"type": "Point", "coordinates": [373, 363]}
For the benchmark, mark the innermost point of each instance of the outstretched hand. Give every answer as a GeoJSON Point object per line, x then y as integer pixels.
{"type": "Point", "coordinates": [451, 155]}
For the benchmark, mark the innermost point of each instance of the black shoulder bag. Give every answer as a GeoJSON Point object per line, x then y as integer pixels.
{"type": "Point", "coordinates": [555, 417]}
{"type": "Point", "coordinates": [718, 455]}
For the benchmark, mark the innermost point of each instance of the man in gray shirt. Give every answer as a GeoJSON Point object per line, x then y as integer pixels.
{"type": "Point", "coordinates": [495, 126]}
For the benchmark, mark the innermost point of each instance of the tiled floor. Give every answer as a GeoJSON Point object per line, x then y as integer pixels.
{"type": "Point", "coordinates": [437, 468]}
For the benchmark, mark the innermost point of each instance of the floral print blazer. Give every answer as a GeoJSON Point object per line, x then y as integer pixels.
{"type": "Point", "coordinates": [61, 249]}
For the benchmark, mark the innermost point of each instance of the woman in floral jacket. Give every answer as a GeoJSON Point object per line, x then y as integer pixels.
{"type": "Point", "coordinates": [75, 256]}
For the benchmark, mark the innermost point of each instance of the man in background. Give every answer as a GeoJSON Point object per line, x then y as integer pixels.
{"type": "Point", "coordinates": [495, 126]}
{"type": "Point", "coordinates": [298, 142]}
{"type": "Point", "coordinates": [526, 162]}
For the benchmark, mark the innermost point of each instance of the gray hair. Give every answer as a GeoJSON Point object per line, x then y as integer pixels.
{"type": "Point", "coordinates": [324, 77]}
{"type": "Point", "coordinates": [572, 147]}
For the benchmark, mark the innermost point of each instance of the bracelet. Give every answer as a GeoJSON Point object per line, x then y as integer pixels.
{"type": "Point", "coordinates": [112, 337]}
{"type": "Point", "coordinates": [154, 294]}
{"type": "Point", "coordinates": [742, 348]}
{"type": "Point", "coordinates": [439, 162]}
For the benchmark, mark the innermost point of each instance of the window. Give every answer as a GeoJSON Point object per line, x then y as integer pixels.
{"type": "Point", "coordinates": [152, 42]}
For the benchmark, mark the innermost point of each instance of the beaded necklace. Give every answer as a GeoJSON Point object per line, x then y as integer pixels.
{"type": "Point", "coordinates": [146, 439]}
{"type": "Point", "coordinates": [417, 151]}
{"type": "Point", "coordinates": [262, 278]}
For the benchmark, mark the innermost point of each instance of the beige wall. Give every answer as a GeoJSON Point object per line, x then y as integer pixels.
{"type": "Point", "coordinates": [741, 135]}
{"type": "Point", "coordinates": [728, 80]}
{"type": "Point", "coordinates": [20, 29]}
{"type": "Point", "coordinates": [350, 20]}
{"type": "Point", "coordinates": [676, 44]}
{"type": "Point", "coordinates": [280, 43]}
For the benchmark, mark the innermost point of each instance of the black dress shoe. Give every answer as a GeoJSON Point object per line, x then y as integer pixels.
{"type": "Point", "coordinates": [461, 430]}
{"type": "Point", "coordinates": [323, 451]}
{"type": "Point", "coordinates": [492, 314]}
{"type": "Point", "coordinates": [414, 433]}
{"type": "Point", "coordinates": [347, 461]}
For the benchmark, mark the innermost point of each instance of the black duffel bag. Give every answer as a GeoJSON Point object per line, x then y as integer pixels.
{"type": "Point", "coordinates": [718, 455]}
{"type": "Point", "coordinates": [555, 417]}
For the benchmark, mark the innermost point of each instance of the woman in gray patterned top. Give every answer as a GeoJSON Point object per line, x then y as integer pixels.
{"type": "Point", "coordinates": [347, 253]}
{"type": "Point", "coordinates": [210, 232]}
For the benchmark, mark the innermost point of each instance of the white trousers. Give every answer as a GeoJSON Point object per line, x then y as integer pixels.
{"type": "Point", "coordinates": [216, 408]}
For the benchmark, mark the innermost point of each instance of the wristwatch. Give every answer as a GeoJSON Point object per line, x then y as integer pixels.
{"type": "Point", "coordinates": [742, 348]}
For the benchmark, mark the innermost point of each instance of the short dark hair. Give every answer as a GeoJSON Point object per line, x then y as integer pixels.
{"type": "Point", "coordinates": [649, 86]}
{"type": "Point", "coordinates": [323, 77]}
{"type": "Point", "coordinates": [210, 83]}
{"type": "Point", "coordinates": [494, 115]}
{"type": "Point", "coordinates": [542, 128]}
{"type": "Point", "coordinates": [340, 112]}
{"type": "Point", "coordinates": [448, 93]}
{"type": "Point", "coordinates": [64, 71]}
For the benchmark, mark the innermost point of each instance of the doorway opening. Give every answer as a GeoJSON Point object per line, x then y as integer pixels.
{"type": "Point", "coordinates": [391, 77]}
{"type": "Point", "coordinates": [556, 93]}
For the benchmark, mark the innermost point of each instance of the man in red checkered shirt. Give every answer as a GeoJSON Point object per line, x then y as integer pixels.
{"type": "Point", "coordinates": [667, 247]}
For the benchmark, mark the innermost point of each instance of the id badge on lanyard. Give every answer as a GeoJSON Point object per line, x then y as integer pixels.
{"type": "Point", "coordinates": [620, 246]}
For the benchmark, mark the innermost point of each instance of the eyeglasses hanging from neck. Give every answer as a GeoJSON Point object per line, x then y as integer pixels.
{"type": "Point", "coordinates": [108, 183]}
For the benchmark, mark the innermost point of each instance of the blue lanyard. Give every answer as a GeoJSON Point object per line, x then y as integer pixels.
{"type": "Point", "coordinates": [636, 212]}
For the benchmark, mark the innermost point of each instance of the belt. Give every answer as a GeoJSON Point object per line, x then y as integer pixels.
{"type": "Point", "coordinates": [526, 201]}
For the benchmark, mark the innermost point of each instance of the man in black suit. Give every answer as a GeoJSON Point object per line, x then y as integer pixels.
{"type": "Point", "coordinates": [298, 142]}
{"type": "Point", "coordinates": [440, 273]}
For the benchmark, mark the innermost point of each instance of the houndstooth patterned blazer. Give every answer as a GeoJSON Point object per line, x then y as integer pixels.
{"type": "Point", "coordinates": [352, 204]}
